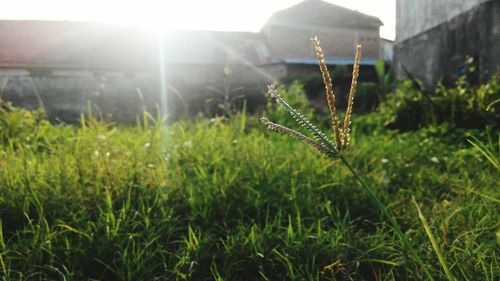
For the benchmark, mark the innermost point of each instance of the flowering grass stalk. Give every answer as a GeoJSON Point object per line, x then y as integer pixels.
{"type": "Point", "coordinates": [334, 149]}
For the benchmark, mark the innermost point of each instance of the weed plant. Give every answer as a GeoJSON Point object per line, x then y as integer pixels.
{"type": "Point", "coordinates": [341, 135]}
{"type": "Point", "coordinates": [463, 106]}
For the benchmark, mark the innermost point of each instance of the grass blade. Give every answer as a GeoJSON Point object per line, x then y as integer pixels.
{"type": "Point", "coordinates": [433, 241]}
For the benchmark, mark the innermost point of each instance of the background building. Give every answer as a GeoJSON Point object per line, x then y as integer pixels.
{"type": "Point", "coordinates": [339, 29]}
{"type": "Point", "coordinates": [63, 66]}
{"type": "Point", "coordinates": [435, 37]}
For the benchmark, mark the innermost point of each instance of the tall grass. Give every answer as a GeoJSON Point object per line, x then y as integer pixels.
{"type": "Point", "coordinates": [433, 241]}
{"type": "Point", "coordinates": [222, 199]}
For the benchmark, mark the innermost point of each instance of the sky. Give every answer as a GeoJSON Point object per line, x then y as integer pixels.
{"type": "Point", "coordinates": [228, 15]}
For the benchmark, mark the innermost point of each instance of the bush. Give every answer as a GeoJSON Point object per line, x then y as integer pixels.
{"type": "Point", "coordinates": [18, 125]}
{"type": "Point", "coordinates": [371, 94]}
{"type": "Point", "coordinates": [463, 106]}
{"type": "Point", "coordinates": [312, 83]}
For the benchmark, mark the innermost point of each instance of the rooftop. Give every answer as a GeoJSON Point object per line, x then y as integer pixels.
{"type": "Point", "coordinates": [311, 13]}
{"type": "Point", "coordinates": [89, 45]}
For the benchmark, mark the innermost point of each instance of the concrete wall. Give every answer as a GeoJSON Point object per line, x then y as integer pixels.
{"type": "Point", "coordinates": [441, 51]}
{"type": "Point", "coordinates": [66, 94]}
{"type": "Point", "coordinates": [416, 16]}
{"type": "Point", "coordinates": [191, 89]}
{"type": "Point", "coordinates": [386, 50]}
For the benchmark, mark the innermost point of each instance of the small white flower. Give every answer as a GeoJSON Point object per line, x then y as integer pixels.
{"type": "Point", "coordinates": [147, 145]}
{"type": "Point", "coordinates": [384, 160]}
{"type": "Point", "coordinates": [435, 159]}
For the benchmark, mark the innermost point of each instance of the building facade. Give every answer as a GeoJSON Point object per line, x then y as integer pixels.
{"type": "Point", "coordinates": [435, 38]}
{"type": "Point", "coordinates": [64, 66]}
{"type": "Point", "coordinates": [339, 29]}
{"type": "Point", "coordinates": [120, 70]}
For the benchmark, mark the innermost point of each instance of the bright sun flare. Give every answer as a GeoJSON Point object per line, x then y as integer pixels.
{"type": "Point", "coordinates": [157, 15]}
{"type": "Point", "coordinates": [154, 14]}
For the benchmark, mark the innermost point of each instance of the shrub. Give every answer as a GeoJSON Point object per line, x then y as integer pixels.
{"type": "Point", "coordinates": [463, 106]}
{"type": "Point", "coordinates": [371, 94]}
{"type": "Point", "coordinates": [18, 125]}
{"type": "Point", "coordinates": [311, 83]}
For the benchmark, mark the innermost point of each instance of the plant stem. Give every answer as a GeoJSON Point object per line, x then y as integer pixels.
{"type": "Point", "coordinates": [386, 213]}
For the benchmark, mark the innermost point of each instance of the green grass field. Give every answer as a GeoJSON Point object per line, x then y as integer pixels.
{"type": "Point", "coordinates": [225, 199]}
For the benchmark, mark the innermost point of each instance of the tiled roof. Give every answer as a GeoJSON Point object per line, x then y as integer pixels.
{"type": "Point", "coordinates": [72, 44]}
{"type": "Point", "coordinates": [317, 13]}
{"type": "Point", "coordinates": [87, 45]}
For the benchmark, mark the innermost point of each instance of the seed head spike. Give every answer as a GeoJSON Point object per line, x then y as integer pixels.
{"type": "Point", "coordinates": [348, 114]}
{"type": "Point", "coordinates": [272, 92]}
{"type": "Point", "coordinates": [330, 95]}
{"type": "Point", "coordinates": [319, 141]}
{"type": "Point", "coordinates": [287, 131]}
